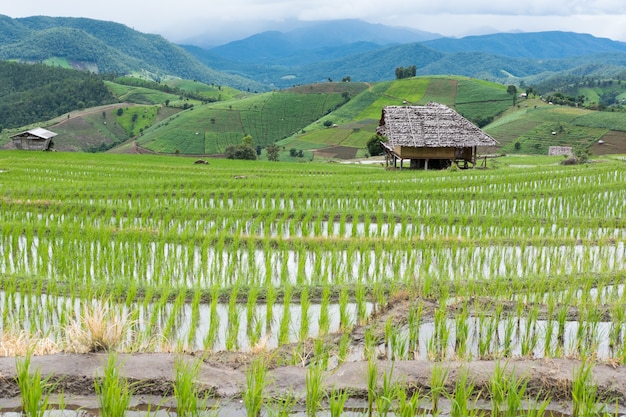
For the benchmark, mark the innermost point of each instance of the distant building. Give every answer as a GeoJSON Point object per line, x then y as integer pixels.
{"type": "Point", "coordinates": [37, 139]}
{"type": "Point", "coordinates": [430, 136]}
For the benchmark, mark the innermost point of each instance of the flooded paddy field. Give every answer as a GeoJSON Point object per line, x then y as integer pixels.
{"type": "Point", "coordinates": [425, 288]}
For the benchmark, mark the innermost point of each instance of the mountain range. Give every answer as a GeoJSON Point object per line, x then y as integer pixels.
{"type": "Point", "coordinates": [319, 51]}
{"type": "Point", "coordinates": [285, 59]}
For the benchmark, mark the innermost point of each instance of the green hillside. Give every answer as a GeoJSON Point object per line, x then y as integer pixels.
{"type": "Point", "coordinates": [212, 91]}
{"type": "Point", "coordinates": [105, 47]}
{"type": "Point", "coordinates": [339, 116]}
{"type": "Point", "coordinates": [267, 117]}
{"type": "Point", "coordinates": [325, 120]}
{"type": "Point", "coordinates": [536, 125]}
{"type": "Point", "coordinates": [356, 121]}
{"type": "Point", "coordinates": [32, 93]}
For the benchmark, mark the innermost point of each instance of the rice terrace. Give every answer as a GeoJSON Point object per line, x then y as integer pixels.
{"type": "Point", "coordinates": [154, 285]}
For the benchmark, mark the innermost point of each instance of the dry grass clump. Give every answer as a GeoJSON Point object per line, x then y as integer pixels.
{"type": "Point", "coordinates": [22, 343]}
{"type": "Point", "coordinates": [99, 328]}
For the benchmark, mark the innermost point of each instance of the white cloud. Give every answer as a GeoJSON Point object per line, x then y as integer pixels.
{"type": "Point", "coordinates": [452, 17]}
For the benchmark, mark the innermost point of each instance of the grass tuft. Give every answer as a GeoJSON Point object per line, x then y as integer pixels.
{"type": "Point", "coordinates": [98, 329]}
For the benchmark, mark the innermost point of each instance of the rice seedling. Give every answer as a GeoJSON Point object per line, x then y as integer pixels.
{"type": "Point", "coordinates": [530, 336]}
{"type": "Point", "coordinates": [497, 387]}
{"type": "Point", "coordinates": [256, 381]}
{"type": "Point", "coordinates": [515, 389]}
{"type": "Point", "coordinates": [372, 383]}
{"type": "Point", "coordinates": [270, 299]}
{"type": "Point", "coordinates": [211, 336]}
{"type": "Point", "coordinates": [34, 390]}
{"type": "Point", "coordinates": [344, 347]}
{"type": "Point", "coordinates": [344, 318]}
{"type": "Point", "coordinates": [282, 406]}
{"type": "Point", "coordinates": [462, 332]}
{"type": "Point", "coordinates": [387, 393]}
{"type": "Point", "coordinates": [585, 399]}
{"type": "Point", "coordinates": [463, 401]}
{"type": "Point", "coordinates": [232, 337]}
{"type": "Point", "coordinates": [189, 402]}
{"type": "Point", "coordinates": [438, 379]}
{"type": "Point", "coordinates": [407, 405]}
{"type": "Point", "coordinates": [314, 390]}
{"type": "Point", "coordinates": [438, 344]}
{"type": "Point", "coordinates": [305, 304]}
{"type": "Point", "coordinates": [285, 322]}
{"type": "Point", "coordinates": [538, 407]}
{"type": "Point", "coordinates": [114, 392]}
{"type": "Point", "coordinates": [337, 401]}
{"type": "Point", "coordinates": [324, 318]}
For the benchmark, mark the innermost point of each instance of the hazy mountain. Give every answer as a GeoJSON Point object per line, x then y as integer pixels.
{"type": "Point", "coordinates": [272, 57]}
{"type": "Point", "coordinates": [319, 41]}
{"type": "Point", "coordinates": [541, 45]}
{"type": "Point", "coordinates": [104, 47]}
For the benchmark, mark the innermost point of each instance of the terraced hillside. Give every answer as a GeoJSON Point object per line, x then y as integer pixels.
{"type": "Point", "coordinates": [329, 119]}
{"type": "Point", "coordinates": [535, 125]}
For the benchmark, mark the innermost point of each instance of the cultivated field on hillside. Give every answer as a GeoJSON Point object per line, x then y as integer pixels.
{"type": "Point", "coordinates": [320, 265]}
{"type": "Point", "coordinates": [209, 129]}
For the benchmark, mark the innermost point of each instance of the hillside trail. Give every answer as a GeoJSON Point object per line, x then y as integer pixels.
{"type": "Point", "coordinates": [61, 120]}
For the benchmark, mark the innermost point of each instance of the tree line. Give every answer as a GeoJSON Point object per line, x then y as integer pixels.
{"type": "Point", "coordinates": [31, 93]}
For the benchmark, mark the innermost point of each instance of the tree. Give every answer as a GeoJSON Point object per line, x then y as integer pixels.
{"type": "Point", "coordinates": [407, 72]}
{"type": "Point", "coordinates": [512, 90]}
{"type": "Point", "coordinates": [245, 150]}
{"type": "Point", "coordinates": [272, 152]}
{"type": "Point", "coordinates": [328, 123]}
{"type": "Point", "coordinates": [374, 146]}
{"type": "Point", "coordinates": [582, 154]}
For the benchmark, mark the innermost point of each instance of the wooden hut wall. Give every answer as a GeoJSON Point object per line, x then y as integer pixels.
{"type": "Point", "coordinates": [409, 152]}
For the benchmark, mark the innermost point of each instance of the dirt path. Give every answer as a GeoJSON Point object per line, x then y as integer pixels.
{"type": "Point", "coordinates": [154, 375]}
{"type": "Point", "coordinates": [92, 110]}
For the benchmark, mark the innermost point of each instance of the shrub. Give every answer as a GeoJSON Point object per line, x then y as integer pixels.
{"type": "Point", "coordinates": [374, 146]}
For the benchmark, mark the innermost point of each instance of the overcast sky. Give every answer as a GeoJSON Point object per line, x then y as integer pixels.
{"type": "Point", "coordinates": [225, 20]}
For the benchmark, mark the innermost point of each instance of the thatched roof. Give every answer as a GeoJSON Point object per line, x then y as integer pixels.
{"type": "Point", "coordinates": [431, 126]}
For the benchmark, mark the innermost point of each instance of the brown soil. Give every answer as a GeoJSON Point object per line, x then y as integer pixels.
{"type": "Point", "coordinates": [337, 152]}
{"type": "Point", "coordinates": [225, 377]}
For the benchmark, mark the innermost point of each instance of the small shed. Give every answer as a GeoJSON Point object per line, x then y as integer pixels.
{"type": "Point", "coordinates": [430, 136]}
{"type": "Point", "coordinates": [38, 139]}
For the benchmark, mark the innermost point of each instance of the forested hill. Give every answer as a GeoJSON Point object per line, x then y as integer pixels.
{"type": "Point", "coordinates": [31, 93]}
{"type": "Point", "coordinates": [102, 46]}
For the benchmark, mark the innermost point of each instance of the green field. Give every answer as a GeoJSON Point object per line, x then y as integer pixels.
{"type": "Point", "coordinates": [472, 98]}
{"type": "Point", "coordinates": [220, 93]}
{"type": "Point", "coordinates": [343, 262]}
{"type": "Point", "coordinates": [142, 95]}
{"type": "Point", "coordinates": [268, 118]}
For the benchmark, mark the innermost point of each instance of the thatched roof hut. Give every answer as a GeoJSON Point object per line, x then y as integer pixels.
{"type": "Point", "coordinates": [38, 139]}
{"type": "Point", "coordinates": [433, 133]}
